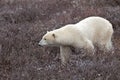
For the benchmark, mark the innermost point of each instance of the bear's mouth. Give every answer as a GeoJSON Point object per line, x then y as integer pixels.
{"type": "Point", "coordinates": [43, 43]}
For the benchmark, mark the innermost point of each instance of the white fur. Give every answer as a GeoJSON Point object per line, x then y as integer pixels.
{"type": "Point", "coordinates": [84, 34]}
{"type": "Point", "coordinates": [43, 43]}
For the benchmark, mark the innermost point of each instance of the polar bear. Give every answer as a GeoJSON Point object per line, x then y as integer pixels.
{"type": "Point", "coordinates": [84, 34]}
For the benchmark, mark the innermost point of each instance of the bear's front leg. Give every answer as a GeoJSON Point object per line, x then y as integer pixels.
{"type": "Point", "coordinates": [65, 54]}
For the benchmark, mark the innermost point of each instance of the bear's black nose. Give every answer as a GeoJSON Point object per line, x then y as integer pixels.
{"type": "Point", "coordinates": [39, 44]}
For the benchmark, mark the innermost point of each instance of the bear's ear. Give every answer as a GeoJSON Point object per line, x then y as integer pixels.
{"type": "Point", "coordinates": [53, 35]}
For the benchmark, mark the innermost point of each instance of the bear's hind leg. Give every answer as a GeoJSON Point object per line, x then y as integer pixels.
{"type": "Point", "coordinates": [105, 41]}
{"type": "Point", "coordinates": [89, 47]}
{"type": "Point", "coordinates": [108, 45]}
{"type": "Point", "coordinates": [65, 54]}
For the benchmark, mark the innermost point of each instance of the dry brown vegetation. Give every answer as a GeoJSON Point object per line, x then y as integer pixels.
{"type": "Point", "coordinates": [23, 23]}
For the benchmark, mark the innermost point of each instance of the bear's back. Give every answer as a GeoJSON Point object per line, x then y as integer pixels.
{"type": "Point", "coordinates": [94, 27]}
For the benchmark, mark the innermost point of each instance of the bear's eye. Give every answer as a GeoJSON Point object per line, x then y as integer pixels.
{"type": "Point", "coordinates": [44, 38]}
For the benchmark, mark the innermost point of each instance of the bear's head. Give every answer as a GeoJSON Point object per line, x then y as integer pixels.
{"type": "Point", "coordinates": [57, 37]}
{"type": "Point", "coordinates": [48, 39]}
